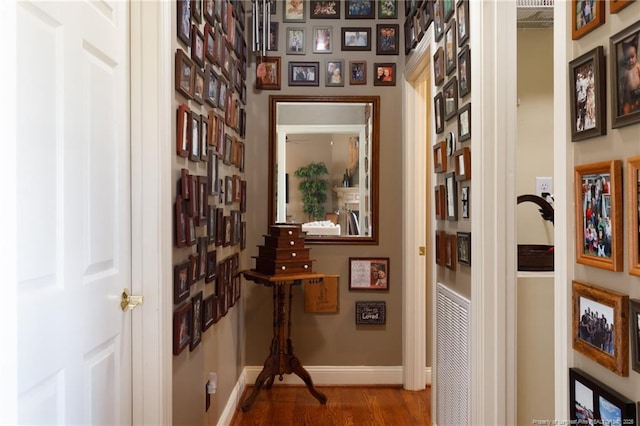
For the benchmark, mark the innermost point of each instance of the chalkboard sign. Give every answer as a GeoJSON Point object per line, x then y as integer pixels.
{"type": "Point", "coordinates": [371, 312]}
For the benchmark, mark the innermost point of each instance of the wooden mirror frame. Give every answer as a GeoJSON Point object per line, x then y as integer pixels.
{"type": "Point", "coordinates": [373, 165]}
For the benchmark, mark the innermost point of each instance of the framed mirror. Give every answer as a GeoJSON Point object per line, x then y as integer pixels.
{"type": "Point", "coordinates": [323, 166]}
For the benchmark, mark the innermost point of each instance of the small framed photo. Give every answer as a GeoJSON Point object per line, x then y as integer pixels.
{"type": "Point", "coordinates": [181, 222]}
{"type": "Point", "coordinates": [304, 73]}
{"type": "Point", "coordinates": [198, 89]}
{"type": "Point", "coordinates": [438, 66]}
{"type": "Point", "coordinates": [463, 240]}
{"type": "Point", "coordinates": [185, 74]}
{"type": "Point", "coordinates": [438, 21]}
{"type": "Point", "coordinates": [464, 198]}
{"type": "Point", "coordinates": [598, 214]}
{"type": "Point", "coordinates": [368, 273]}
{"type": "Point", "coordinates": [195, 127]}
{"type": "Point", "coordinates": [440, 157]}
{"type": "Point", "coordinates": [212, 84]}
{"type": "Point", "coordinates": [451, 250]}
{"type": "Point", "coordinates": [462, 12]}
{"type": "Point", "coordinates": [359, 9]}
{"type": "Point", "coordinates": [625, 68]}
{"type": "Point", "coordinates": [388, 9]}
{"type": "Point", "coordinates": [268, 73]}
{"type": "Point", "coordinates": [211, 263]}
{"type": "Point", "coordinates": [196, 10]}
{"type": "Point", "coordinates": [322, 39]}
{"type": "Point", "coordinates": [410, 38]}
{"type": "Point", "coordinates": [462, 159]}
{"type": "Point", "coordinates": [440, 250]}
{"type": "Point", "coordinates": [451, 196]}
{"type": "Point", "coordinates": [588, 100]}
{"type": "Point", "coordinates": [388, 42]}
{"type": "Point", "coordinates": [358, 72]}
{"type": "Point", "coordinates": [450, 47]}
{"type": "Point", "coordinates": [181, 328]}
{"type": "Point", "coordinates": [293, 11]}
{"type": "Point", "coordinates": [180, 282]}
{"type": "Point", "coordinates": [593, 402]}
{"type": "Point", "coordinates": [209, 11]}
{"type": "Point", "coordinates": [601, 327]}
{"type": "Point", "coordinates": [184, 21]}
{"type": "Point", "coordinates": [197, 46]}
{"type": "Point", "coordinates": [633, 217]}
{"type": "Point", "coordinates": [274, 29]}
{"type": "Point", "coordinates": [374, 313]}
{"type": "Point", "coordinates": [196, 321]}
{"type": "Point", "coordinates": [464, 123]}
{"type": "Point", "coordinates": [464, 72]}
{"type": "Point", "coordinates": [208, 312]}
{"type": "Point", "coordinates": [323, 9]}
{"type": "Point", "coordinates": [426, 15]}
{"type": "Point", "coordinates": [450, 95]}
{"type": "Point", "coordinates": [447, 9]}
{"type": "Point", "coordinates": [355, 38]}
{"type": "Point", "coordinates": [335, 73]}
{"type": "Point", "coordinates": [295, 41]}
{"type": "Point", "coordinates": [634, 325]}
{"type": "Point", "coordinates": [616, 6]}
{"type": "Point", "coordinates": [586, 16]}
{"type": "Point", "coordinates": [438, 112]}
{"type": "Point", "coordinates": [439, 202]}
{"type": "Point", "coordinates": [183, 138]}
{"type": "Point", "coordinates": [209, 43]}
{"type": "Point", "coordinates": [385, 74]}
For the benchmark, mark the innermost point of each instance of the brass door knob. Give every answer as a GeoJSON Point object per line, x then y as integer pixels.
{"type": "Point", "coordinates": [128, 301]}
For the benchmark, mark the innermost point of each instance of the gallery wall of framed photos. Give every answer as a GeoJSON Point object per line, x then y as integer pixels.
{"type": "Point", "coordinates": [604, 108]}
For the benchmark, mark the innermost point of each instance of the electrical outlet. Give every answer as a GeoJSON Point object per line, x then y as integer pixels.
{"type": "Point", "coordinates": [544, 186]}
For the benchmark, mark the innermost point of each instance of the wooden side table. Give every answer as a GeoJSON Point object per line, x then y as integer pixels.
{"type": "Point", "coordinates": [281, 359]}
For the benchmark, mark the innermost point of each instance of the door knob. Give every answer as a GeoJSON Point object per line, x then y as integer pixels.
{"type": "Point", "coordinates": [128, 301]}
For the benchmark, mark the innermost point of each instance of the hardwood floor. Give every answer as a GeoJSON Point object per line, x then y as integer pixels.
{"type": "Point", "coordinates": [346, 405]}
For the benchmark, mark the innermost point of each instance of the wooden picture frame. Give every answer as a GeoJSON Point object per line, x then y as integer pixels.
{"type": "Point", "coordinates": [197, 46]}
{"type": "Point", "coordinates": [181, 222]}
{"type": "Point", "coordinates": [625, 93]}
{"type": "Point", "coordinates": [196, 10]}
{"type": "Point", "coordinates": [387, 39]}
{"type": "Point", "coordinates": [464, 72]}
{"type": "Point", "coordinates": [440, 157]}
{"type": "Point", "coordinates": [634, 332]}
{"type": "Point", "coordinates": [440, 248]}
{"type": "Point", "coordinates": [183, 15]}
{"type": "Point", "coordinates": [385, 74]}
{"type": "Point", "coordinates": [185, 71]}
{"type": "Point", "coordinates": [203, 245]}
{"type": "Point", "coordinates": [595, 308]}
{"type": "Point", "coordinates": [324, 9]}
{"type": "Point", "coordinates": [372, 313]}
{"type": "Point", "coordinates": [181, 283]}
{"type": "Point", "coordinates": [181, 328]}
{"type": "Point", "coordinates": [451, 196]}
{"type": "Point", "coordinates": [211, 265]}
{"type": "Point", "coordinates": [593, 402]}
{"type": "Point", "coordinates": [450, 95]}
{"type": "Point", "coordinates": [334, 73]}
{"type": "Point", "coordinates": [199, 86]}
{"type": "Point", "coordinates": [464, 199]}
{"type": "Point", "coordinates": [293, 11]}
{"type": "Point", "coordinates": [212, 86]}
{"type": "Point", "coordinates": [438, 66]}
{"type": "Point", "coordinates": [196, 321]}
{"type": "Point", "coordinates": [616, 6]}
{"type": "Point", "coordinates": [462, 161]}
{"type": "Point", "coordinates": [369, 273]}
{"type": "Point", "coordinates": [304, 73]}
{"type": "Point", "coordinates": [632, 213]}
{"type": "Point", "coordinates": [359, 9]}
{"type": "Point", "coordinates": [268, 73]}
{"type": "Point", "coordinates": [388, 9]}
{"type": "Point", "coordinates": [204, 136]}
{"type": "Point", "coordinates": [322, 39]}
{"type": "Point", "coordinates": [464, 123]}
{"type": "Point", "coordinates": [438, 21]}
{"type": "Point", "coordinates": [599, 185]}
{"type": "Point", "coordinates": [410, 38]}
{"type": "Point", "coordinates": [220, 226]}
{"type": "Point", "coordinates": [585, 18]}
{"type": "Point", "coordinates": [210, 50]}
{"type": "Point", "coordinates": [463, 241]}
{"type": "Point", "coordinates": [355, 38]}
{"type": "Point", "coordinates": [439, 202]}
{"type": "Point", "coordinates": [183, 119]}
{"type": "Point", "coordinates": [209, 306]}
{"type": "Point", "coordinates": [438, 113]}
{"type": "Point", "coordinates": [209, 11]}
{"type": "Point", "coordinates": [451, 251]}
{"type": "Point", "coordinates": [450, 47]}
{"type": "Point", "coordinates": [588, 95]}
{"type": "Point", "coordinates": [358, 73]}
{"type": "Point", "coordinates": [296, 40]}
{"type": "Point", "coordinates": [195, 129]}
{"type": "Point", "coordinates": [462, 16]}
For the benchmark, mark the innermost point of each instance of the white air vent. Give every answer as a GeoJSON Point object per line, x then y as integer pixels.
{"type": "Point", "coordinates": [535, 13]}
{"type": "Point", "coordinates": [453, 346]}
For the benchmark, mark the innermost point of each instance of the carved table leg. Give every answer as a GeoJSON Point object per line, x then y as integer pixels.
{"type": "Point", "coordinates": [266, 375]}
{"type": "Point", "coordinates": [298, 369]}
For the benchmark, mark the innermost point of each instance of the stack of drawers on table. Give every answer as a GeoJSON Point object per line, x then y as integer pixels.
{"type": "Point", "coordinates": [283, 252]}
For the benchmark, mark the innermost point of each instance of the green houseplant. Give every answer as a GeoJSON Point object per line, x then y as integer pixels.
{"type": "Point", "coordinates": [314, 187]}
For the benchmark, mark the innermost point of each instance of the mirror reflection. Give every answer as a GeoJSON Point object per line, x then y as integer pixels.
{"type": "Point", "coordinates": [323, 152]}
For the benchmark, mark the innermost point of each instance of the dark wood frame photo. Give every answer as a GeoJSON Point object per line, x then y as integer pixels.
{"type": "Point", "coordinates": [634, 332]}
{"type": "Point", "coordinates": [593, 402]}
{"type": "Point", "coordinates": [451, 196]}
{"type": "Point", "coordinates": [364, 273]}
{"type": "Point", "coordinates": [181, 222]}
{"type": "Point", "coordinates": [310, 70]}
{"type": "Point", "coordinates": [439, 202]}
{"type": "Point", "coordinates": [181, 328]}
{"type": "Point", "coordinates": [438, 21]}
{"type": "Point", "coordinates": [616, 6]}
{"type": "Point", "coordinates": [358, 72]}
{"type": "Point", "coordinates": [181, 283]}
{"type": "Point", "coordinates": [450, 251]}
{"type": "Point", "coordinates": [268, 64]}
{"type": "Point", "coordinates": [387, 39]}
{"type": "Point", "coordinates": [587, 83]}
{"type": "Point", "coordinates": [464, 123]}
{"type": "Point", "coordinates": [388, 9]}
{"type": "Point", "coordinates": [450, 95]}
{"type": "Point", "coordinates": [625, 103]}
{"type": "Point", "coordinates": [591, 306]}
{"type": "Point", "coordinates": [197, 46]}
{"type": "Point", "coordinates": [463, 242]}
{"type": "Point", "coordinates": [183, 15]}
{"type": "Point", "coordinates": [199, 85]}
{"type": "Point", "coordinates": [294, 11]}
{"type": "Point", "coordinates": [438, 66]}
{"type": "Point", "coordinates": [324, 9]}
{"type": "Point", "coordinates": [359, 9]}
{"type": "Point", "coordinates": [600, 183]}
{"type": "Point", "coordinates": [354, 33]}
{"type": "Point", "coordinates": [384, 79]}
{"type": "Point", "coordinates": [464, 72]}
{"type": "Point", "coordinates": [462, 161]}
{"type": "Point", "coordinates": [195, 129]}
{"type": "Point", "coordinates": [462, 16]}
{"type": "Point", "coordinates": [440, 157]}
{"type": "Point", "coordinates": [185, 71]}
{"type": "Point", "coordinates": [440, 249]}
{"type": "Point", "coordinates": [632, 213]}
{"type": "Point", "coordinates": [196, 321]}
{"type": "Point", "coordinates": [183, 120]}
{"type": "Point", "coordinates": [438, 113]}
{"type": "Point", "coordinates": [209, 306]}
{"type": "Point", "coordinates": [579, 27]}
{"type": "Point", "coordinates": [211, 264]}
{"type": "Point", "coordinates": [464, 200]}
{"type": "Point", "coordinates": [450, 47]}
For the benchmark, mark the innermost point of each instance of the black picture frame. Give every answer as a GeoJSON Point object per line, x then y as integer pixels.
{"type": "Point", "coordinates": [185, 71]}
{"type": "Point", "coordinates": [463, 241]}
{"type": "Point", "coordinates": [464, 72]}
{"type": "Point", "coordinates": [450, 95]}
{"type": "Point", "coordinates": [438, 66]}
{"type": "Point", "coordinates": [593, 402]}
{"type": "Point", "coordinates": [355, 38]}
{"type": "Point", "coordinates": [450, 48]}
{"type": "Point", "coordinates": [304, 73]}
{"type": "Point", "coordinates": [451, 196]}
{"type": "Point", "coordinates": [464, 123]}
{"type": "Point", "coordinates": [438, 21]}
{"type": "Point", "coordinates": [388, 39]}
{"type": "Point", "coordinates": [385, 74]}
{"type": "Point", "coordinates": [359, 9]}
{"type": "Point", "coordinates": [587, 85]}
{"type": "Point", "coordinates": [209, 307]}
{"type": "Point", "coordinates": [438, 113]}
{"type": "Point", "coordinates": [324, 9]}
{"type": "Point", "coordinates": [625, 101]}
{"type": "Point", "coordinates": [371, 313]}
{"type": "Point", "coordinates": [196, 321]}
{"type": "Point", "coordinates": [462, 17]}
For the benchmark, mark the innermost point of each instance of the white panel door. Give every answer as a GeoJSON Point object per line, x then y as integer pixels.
{"type": "Point", "coordinates": [74, 209]}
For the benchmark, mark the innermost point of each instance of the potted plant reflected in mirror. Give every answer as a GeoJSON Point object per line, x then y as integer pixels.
{"type": "Point", "coordinates": [313, 186]}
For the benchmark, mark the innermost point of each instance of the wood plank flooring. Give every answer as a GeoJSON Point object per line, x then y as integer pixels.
{"type": "Point", "coordinates": [346, 405]}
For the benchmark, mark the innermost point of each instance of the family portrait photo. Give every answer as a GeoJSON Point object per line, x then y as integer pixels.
{"type": "Point", "coordinates": [596, 325]}
{"type": "Point", "coordinates": [596, 207]}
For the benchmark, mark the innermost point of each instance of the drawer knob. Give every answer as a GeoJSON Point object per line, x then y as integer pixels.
{"type": "Point", "coordinates": [292, 243]}
{"type": "Point", "coordinates": [306, 266]}
{"type": "Point", "coordinates": [290, 232]}
{"type": "Point", "coordinates": [283, 267]}
{"type": "Point", "coordinates": [293, 254]}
